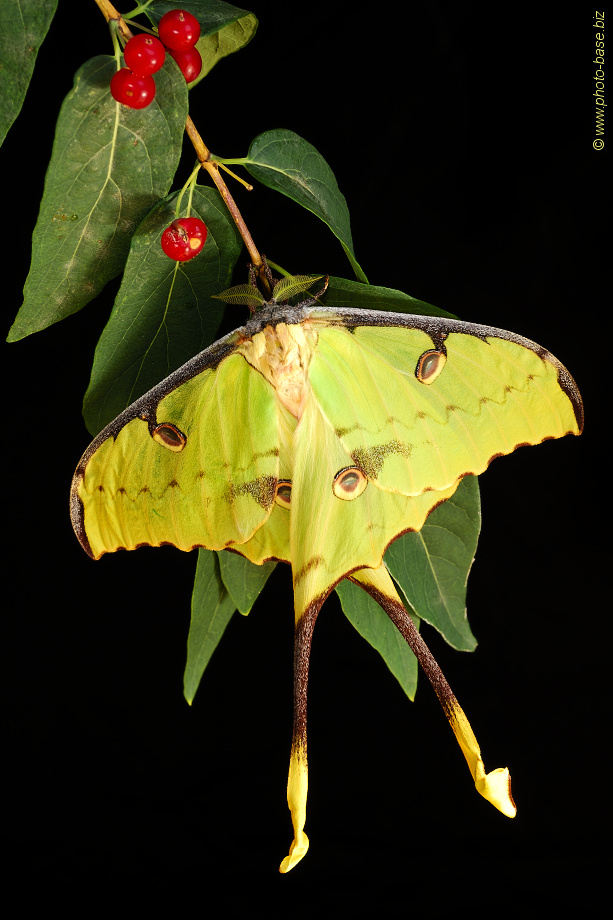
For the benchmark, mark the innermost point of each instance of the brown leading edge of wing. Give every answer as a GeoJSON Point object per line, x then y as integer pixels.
{"type": "Point", "coordinates": [438, 328]}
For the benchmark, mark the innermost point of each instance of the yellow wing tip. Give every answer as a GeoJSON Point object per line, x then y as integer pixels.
{"type": "Point", "coordinates": [496, 788]}
{"type": "Point", "coordinates": [297, 851]}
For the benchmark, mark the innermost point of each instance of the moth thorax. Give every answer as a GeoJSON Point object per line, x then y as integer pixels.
{"type": "Point", "coordinates": [282, 354]}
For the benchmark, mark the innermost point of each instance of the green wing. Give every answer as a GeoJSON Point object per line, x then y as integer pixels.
{"type": "Point", "coordinates": [411, 403]}
{"type": "Point", "coordinates": [490, 395]}
{"type": "Point", "coordinates": [331, 537]}
{"type": "Point", "coordinates": [413, 410]}
{"type": "Point", "coordinates": [181, 466]}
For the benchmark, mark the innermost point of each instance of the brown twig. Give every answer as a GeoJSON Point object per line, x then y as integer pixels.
{"type": "Point", "coordinates": [203, 154]}
{"type": "Point", "coordinates": [111, 14]}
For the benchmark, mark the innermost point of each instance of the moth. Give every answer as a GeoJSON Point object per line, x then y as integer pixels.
{"type": "Point", "coordinates": [316, 436]}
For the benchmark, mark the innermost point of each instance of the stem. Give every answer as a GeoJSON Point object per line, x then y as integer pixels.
{"type": "Point", "coordinates": [278, 268]}
{"type": "Point", "coordinates": [240, 179]}
{"type": "Point", "coordinates": [141, 8]}
{"type": "Point", "coordinates": [189, 184]}
{"type": "Point", "coordinates": [235, 161]}
{"type": "Point", "coordinates": [110, 13]}
{"type": "Point", "coordinates": [131, 22]}
{"type": "Point", "coordinates": [193, 179]}
{"type": "Point", "coordinates": [116, 44]}
{"type": "Point", "coordinates": [203, 153]}
{"type": "Point", "coordinates": [254, 255]}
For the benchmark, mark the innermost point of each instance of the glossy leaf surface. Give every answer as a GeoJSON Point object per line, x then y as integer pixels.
{"type": "Point", "coordinates": [164, 311]}
{"type": "Point", "coordinates": [212, 609]}
{"type": "Point", "coordinates": [109, 165]}
{"type": "Point", "coordinates": [373, 625]}
{"type": "Point", "coordinates": [431, 566]}
{"type": "Point", "coordinates": [23, 27]}
{"type": "Point", "coordinates": [342, 292]}
{"type": "Point", "coordinates": [287, 163]}
{"type": "Point", "coordinates": [243, 579]}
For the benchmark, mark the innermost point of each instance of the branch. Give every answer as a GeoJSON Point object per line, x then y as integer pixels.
{"type": "Point", "coordinates": [203, 153]}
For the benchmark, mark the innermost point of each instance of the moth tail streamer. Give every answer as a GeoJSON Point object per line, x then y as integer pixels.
{"type": "Point", "coordinates": [297, 787]}
{"type": "Point", "coordinates": [494, 786]}
{"type": "Point", "coordinates": [298, 778]}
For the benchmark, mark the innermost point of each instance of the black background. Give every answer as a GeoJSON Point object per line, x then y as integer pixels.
{"type": "Point", "coordinates": [461, 136]}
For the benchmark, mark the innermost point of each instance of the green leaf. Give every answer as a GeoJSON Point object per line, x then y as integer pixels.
{"type": "Point", "coordinates": [287, 163]}
{"type": "Point", "coordinates": [23, 27]}
{"type": "Point", "coordinates": [431, 567]}
{"type": "Point", "coordinates": [212, 609]}
{"type": "Point", "coordinates": [225, 29]}
{"type": "Point", "coordinates": [108, 166]}
{"type": "Point", "coordinates": [375, 626]}
{"type": "Point", "coordinates": [344, 293]}
{"type": "Point", "coordinates": [226, 41]}
{"type": "Point", "coordinates": [243, 579]}
{"type": "Point", "coordinates": [164, 313]}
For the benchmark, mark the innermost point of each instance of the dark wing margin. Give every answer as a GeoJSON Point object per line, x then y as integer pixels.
{"type": "Point", "coordinates": [145, 408]}
{"type": "Point", "coordinates": [438, 328]}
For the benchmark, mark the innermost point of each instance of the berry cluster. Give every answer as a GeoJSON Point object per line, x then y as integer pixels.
{"type": "Point", "coordinates": [184, 238]}
{"type": "Point", "coordinates": [180, 31]}
{"type": "Point", "coordinates": [144, 55]}
{"type": "Point", "coordinates": [133, 85]}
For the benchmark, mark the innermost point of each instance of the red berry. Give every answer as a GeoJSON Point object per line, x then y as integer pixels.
{"type": "Point", "coordinates": [132, 89]}
{"type": "Point", "coordinates": [144, 54]}
{"type": "Point", "coordinates": [190, 63]}
{"type": "Point", "coordinates": [179, 30]}
{"type": "Point", "coordinates": [184, 238]}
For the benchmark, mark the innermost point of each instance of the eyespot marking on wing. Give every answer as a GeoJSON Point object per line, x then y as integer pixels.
{"type": "Point", "coordinates": [283, 495]}
{"type": "Point", "coordinates": [349, 483]}
{"type": "Point", "coordinates": [430, 365]}
{"type": "Point", "coordinates": [169, 437]}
